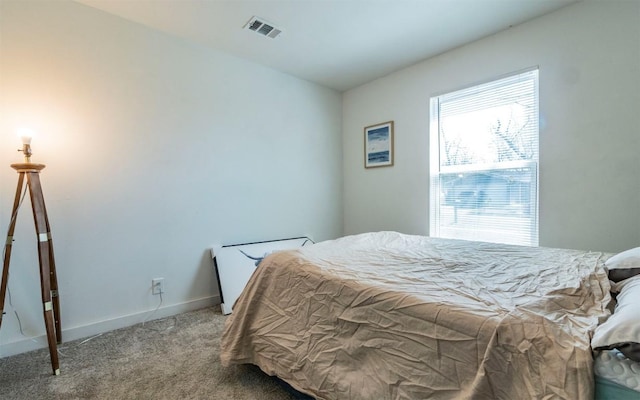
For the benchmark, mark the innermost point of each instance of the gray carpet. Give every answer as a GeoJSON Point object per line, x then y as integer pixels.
{"type": "Point", "coordinates": [172, 358]}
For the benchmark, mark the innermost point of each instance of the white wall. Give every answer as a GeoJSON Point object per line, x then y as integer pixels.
{"type": "Point", "coordinates": [589, 60]}
{"type": "Point", "coordinates": [156, 149]}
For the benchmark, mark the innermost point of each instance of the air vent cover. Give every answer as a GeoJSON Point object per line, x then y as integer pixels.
{"type": "Point", "coordinates": [262, 27]}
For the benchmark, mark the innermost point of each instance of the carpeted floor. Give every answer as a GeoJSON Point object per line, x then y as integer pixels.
{"type": "Point", "coordinates": [172, 358]}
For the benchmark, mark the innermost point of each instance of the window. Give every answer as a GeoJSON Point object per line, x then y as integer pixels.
{"type": "Point", "coordinates": [484, 162]}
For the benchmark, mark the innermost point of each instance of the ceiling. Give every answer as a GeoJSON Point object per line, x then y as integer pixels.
{"type": "Point", "coordinates": [336, 43]}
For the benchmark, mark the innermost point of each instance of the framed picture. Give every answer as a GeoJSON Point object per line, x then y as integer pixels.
{"type": "Point", "coordinates": [378, 145]}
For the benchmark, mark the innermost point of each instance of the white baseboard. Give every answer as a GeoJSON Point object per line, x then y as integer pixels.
{"type": "Point", "coordinates": [79, 332]}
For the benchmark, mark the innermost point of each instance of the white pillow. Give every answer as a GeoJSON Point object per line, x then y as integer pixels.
{"type": "Point", "coordinates": [622, 329]}
{"type": "Point", "coordinates": [624, 265]}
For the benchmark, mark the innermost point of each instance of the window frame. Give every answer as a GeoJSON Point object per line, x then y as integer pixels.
{"type": "Point", "coordinates": [436, 169]}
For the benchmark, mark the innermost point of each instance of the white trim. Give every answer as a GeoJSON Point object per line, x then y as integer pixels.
{"type": "Point", "coordinates": [464, 168]}
{"type": "Point", "coordinates": [79, 332]}
{"type": "Point", "coordinates": [434, 165]}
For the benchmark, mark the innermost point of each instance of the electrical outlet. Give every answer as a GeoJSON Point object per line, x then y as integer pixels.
{"type": "Point", "coordinates": [157, 286]}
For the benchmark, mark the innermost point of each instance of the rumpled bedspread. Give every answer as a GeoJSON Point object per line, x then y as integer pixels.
{"type": "Point", "coordinates": [391, 316]}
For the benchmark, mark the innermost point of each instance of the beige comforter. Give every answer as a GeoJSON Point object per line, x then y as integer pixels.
{"type": "Point", "coordinates": [392, 316]}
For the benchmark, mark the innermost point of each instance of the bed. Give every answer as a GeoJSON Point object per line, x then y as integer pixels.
{"type": "Point", "coordinates": [617, 377]}
{"type": "Point", "coordinates": [392, 316]}
{"type": "Point", "coordinates": [616, 342]}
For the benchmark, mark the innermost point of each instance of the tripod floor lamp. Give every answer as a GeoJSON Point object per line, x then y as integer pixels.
{"type": "Point", "coordinates": [30, 172]}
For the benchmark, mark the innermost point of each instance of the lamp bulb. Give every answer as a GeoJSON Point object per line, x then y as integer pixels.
{"type": "Point", "coordinates": [25, 135]}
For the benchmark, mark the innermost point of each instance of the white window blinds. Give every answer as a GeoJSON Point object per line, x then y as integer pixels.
{"type": "Point", "coordinates": [484, 162]}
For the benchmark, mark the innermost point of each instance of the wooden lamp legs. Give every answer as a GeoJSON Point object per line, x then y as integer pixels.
{"type": "Point", "coordinates": [48, 279]}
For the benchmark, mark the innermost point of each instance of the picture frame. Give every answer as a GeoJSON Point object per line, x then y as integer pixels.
{"type": "Point", "coordinates": [378, 145]}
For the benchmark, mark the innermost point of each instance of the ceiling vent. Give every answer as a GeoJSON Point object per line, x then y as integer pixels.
{"type": "Point", "coordinates": [262, 27]}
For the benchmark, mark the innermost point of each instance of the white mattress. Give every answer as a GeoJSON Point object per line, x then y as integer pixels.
{"type": "Point", "coordinates": [614, 366]}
